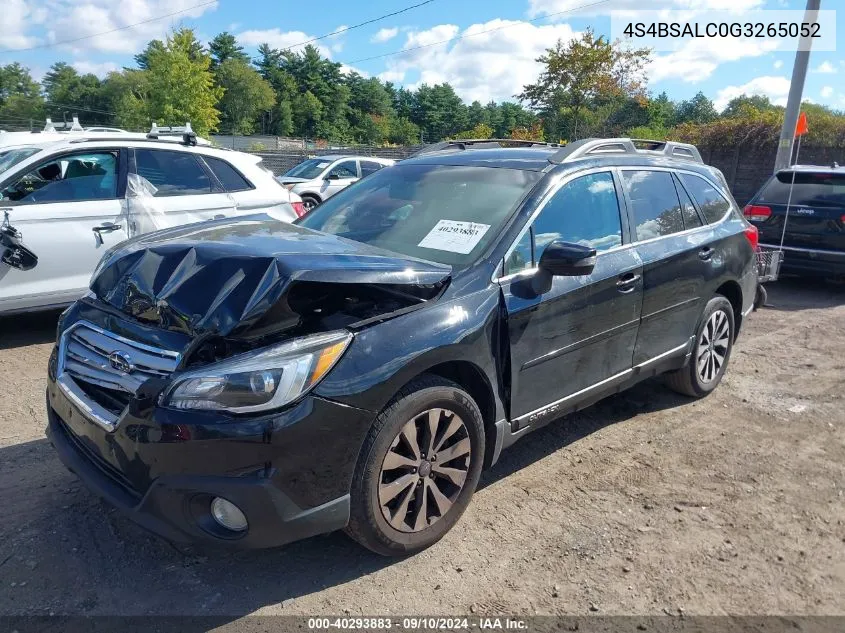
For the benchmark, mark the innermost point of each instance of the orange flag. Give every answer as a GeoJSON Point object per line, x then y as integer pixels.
{"type": "Point", "coordinates": [801, 126]}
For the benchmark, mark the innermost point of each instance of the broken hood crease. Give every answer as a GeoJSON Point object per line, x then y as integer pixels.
{"type": "Point", "coordinates": [224, 277]}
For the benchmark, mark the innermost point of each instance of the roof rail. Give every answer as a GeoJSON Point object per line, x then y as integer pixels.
{"type": "Point", "coordinates": [599, 146]}
{"type": "Point", "coordinates": [481, 143]}
{"type": "Point", "coordinates": [185, 131]}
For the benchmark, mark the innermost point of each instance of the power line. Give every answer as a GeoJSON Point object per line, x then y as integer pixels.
{"type": "Point", "coordinates": [121, 28]}
{"type": "Point", "coordinates": [460, 37]}
{"type": "Point", "coordinates": [355, 26]}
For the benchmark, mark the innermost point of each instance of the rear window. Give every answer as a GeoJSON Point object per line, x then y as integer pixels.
{"type": "Point", "coordinates": [713, 204]}
{"type": "Point", "coordinates": [809, 190]}
{"type": "Point", "coordinates": [227, 175]}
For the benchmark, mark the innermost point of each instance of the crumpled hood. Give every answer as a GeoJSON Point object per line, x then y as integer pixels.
{"type": "Point", "coordinates": [222, 277]}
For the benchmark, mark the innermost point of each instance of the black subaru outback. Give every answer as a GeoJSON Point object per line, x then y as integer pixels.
{"type": "Point", "coordinates": [252, 382]}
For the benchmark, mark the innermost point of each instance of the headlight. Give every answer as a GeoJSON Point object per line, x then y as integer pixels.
{"type": "Point", "coordinates": [259, 381]}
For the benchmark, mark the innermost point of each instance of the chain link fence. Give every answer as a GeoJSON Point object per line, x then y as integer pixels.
{"type": "Point", "coordinates": [282, 160]}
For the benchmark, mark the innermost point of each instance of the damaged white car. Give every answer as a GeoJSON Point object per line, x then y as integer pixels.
{"type": "Point", "coordinates": [64, 204]}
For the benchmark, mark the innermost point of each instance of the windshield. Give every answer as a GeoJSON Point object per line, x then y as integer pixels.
{"type": "Point", "coordinates": [11, 157]}
{"type": "Point", "coordinates": [810, 189]}
{"type": "Point", "coordinates": [446, 214]}
{"type": "Point", "coordinates": [309, 169]}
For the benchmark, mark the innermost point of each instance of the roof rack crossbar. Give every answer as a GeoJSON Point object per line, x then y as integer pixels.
{"type": "Point", "coordinates": [602, 146]}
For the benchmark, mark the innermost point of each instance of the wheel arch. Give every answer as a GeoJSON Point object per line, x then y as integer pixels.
{"type": "Point", "coordinates": [732, 291]}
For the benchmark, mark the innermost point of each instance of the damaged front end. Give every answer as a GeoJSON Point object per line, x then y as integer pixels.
{"type": "Point", "coordinates": [234, 286]}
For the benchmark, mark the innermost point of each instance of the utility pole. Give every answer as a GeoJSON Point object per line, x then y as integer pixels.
{"type": "Point", "coordinates": [796, 90]}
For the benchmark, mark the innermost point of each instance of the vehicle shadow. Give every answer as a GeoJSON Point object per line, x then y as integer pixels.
{"type": "Point", "coordinates": [86, 534]}
{"type": "Point", "coordinates": [790, 294]}
{"type": "Point", "coordinates": [20, 330]}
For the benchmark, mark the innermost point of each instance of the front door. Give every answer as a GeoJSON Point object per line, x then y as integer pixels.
{"type": "Point", "coordinates": [340, 177]}
{"type": "Point", "coordinates": [69, 211]}
{"type": "Point", "coordinates": [571, 335]}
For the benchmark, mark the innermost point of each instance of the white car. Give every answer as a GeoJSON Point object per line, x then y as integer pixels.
{"type": "Point", "coordinates": [318, 179]}
{"type": "Point", "coordinates": [69, 201]}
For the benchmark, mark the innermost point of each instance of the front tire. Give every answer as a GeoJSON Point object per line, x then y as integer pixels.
{"type": "Point", "coordinates": [418, 468]}
{"type": "Point", "coordinates": [711, 351]}
{"type": "Point", "coordinates": [309, 202]}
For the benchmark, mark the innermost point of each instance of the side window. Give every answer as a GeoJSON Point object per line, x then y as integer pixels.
{"type": "Point", "coordinates": [72, 177]}
{"type": "Point", "coordinates": [172, 173]}
{"type": "Point", "coordinates": [691, 217]}
{"type": "Point", "coordinates": [369, 167]}
{"type": "Point", "coordinates": [228, 176]}
{"type": "Point", "coordinates": [584, 211]}
{"type": "Point", "coordinates": [656, 208]}
{"type": "Point", "coordinates": [346, 169]}
{"type": "Point", "coordinates": [520, 257]}
{"type": "Point", "coordinates": [712, 203]}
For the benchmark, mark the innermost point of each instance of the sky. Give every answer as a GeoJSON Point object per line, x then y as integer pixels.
{"type": "Point", "coordinates": [495, 57]}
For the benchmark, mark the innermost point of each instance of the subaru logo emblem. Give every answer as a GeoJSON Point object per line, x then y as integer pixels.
{"type": "Point", "coordinates": [122, 362]}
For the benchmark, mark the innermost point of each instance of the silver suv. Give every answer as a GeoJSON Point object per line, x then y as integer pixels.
{"type": "Point", "coordinates": [318, 179]}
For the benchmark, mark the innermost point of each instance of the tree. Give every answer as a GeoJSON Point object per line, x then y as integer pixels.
{"type": "Point", "coordinates": [20, 96]}
{"type": "Point", "coordinates": [581, 75]}
{"type": "Point", "coordinates": [67, 91]}
{"type": "Point", "coordinates": [126, 94]}
{"type": "Point", "coordinates": [181, 87]}
{"type": "Point", "coordinates": [699, 109]}
{"type": "Point", "coordinates": [142, 59]}
{"type": "Point", "coordinates": [745, 105]}
{"type": "Point", "coordinates": [246, 95]}
{"type": "Point", "coordinates": [224, 47]}
{"type": "Point", "coordinates": [482, 130]}
{"type": "Point", "coordinates": [439, 111]}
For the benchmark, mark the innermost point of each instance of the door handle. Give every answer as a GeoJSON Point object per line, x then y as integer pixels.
{"type": "Point", "coordinates": [627, 281]}
{"type": "Point", "coordinates": [705, 253]}
{"type": "Point", "coordinates": [107, 228]}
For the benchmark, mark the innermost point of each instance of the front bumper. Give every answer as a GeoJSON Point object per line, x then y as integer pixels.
{"type": "Point", "coordinates": [283, 471]}
{"type": "Point", "coordinates": [810, 262]}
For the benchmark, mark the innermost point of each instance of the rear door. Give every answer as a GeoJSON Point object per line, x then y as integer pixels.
{"type": "Point", "coordinates": [250, 197]}
{"type": "Point", "coordinates": [579, 332]}
{"type": "Point", "coordinates": [181, 191]}
{"type": "Point", "coordinates": [70, 210]}
{"type": "Point", "coordinates": [816, 211]}
{"type": "Point", "coordinates": [677, 252]}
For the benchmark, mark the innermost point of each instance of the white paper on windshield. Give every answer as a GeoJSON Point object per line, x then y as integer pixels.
{"type": "Point", "coordinates": [322, 165]}
{"type": "Point", "coordinates": [454, 236]}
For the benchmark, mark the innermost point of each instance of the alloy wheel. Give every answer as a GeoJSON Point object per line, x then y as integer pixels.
{"type": "Point", "coordinates": [424, 470]}
{"type": "Point", "coordinates": [713, 346]}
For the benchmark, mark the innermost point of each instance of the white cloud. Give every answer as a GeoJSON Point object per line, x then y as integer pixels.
{"type": "Point", "coordinates": [547, 7]}
{"type": "Point", "coordinates": [775, 88]}
{"type": "Point", "coordinates": [778, 64]}
{"type": "Point", "coordinates": [696, 60]}
{"type": "Point", "coordinates": [825, 68]}
{"type": "Point", "coordinates": [383, 35]}
{"type": "Point", "coordinates": [484, 66]}
{"type": "Point", "coordinates": [277, 38]}
{"type": "Point", "coordinates": [99, 69]}
{"type": "Point", "coordinates": [91, 19]}
{"type": "Point", "coordinates": [827, 92]}
{"type": "Point", "coordinates": [18, 16]}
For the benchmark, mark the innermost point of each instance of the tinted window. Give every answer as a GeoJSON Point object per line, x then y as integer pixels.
{"type": "Point", "coordinates": [691, 217]}
{"type": "Point", "coordinates": [809, 190]}
{"type": "Point", "coordinates": [446, 214]}
{"type": "Point", "coordinates": [308, 169]}
{"type": "Point", "coordinates": [369, 167]}
{"type": "Point", "coordinates": [227, 175]}
{"type": "Point", "coordinates": [172, 173]}
{"type": "Point", "coordinates": [89, 176]}
{"type": "Point", "coordinates": [346, 169]}
{"type": "Point", "coordinates": [712, 203]}
{"type": "Point", "coordinates": [656, 209]}
{"type": "Point", "coordinates": [584, 211]}
{"type": "Point", "coordinates": [520, 256]}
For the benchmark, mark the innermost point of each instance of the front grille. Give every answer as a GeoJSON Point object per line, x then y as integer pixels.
{"type": "Point", "coordinates": [99, 367]}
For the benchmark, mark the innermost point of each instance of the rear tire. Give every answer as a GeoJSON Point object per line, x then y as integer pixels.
{"type": "Point", "coordinates": [711, 351]}
{"type": "Point", "coordinates": [403, 498]}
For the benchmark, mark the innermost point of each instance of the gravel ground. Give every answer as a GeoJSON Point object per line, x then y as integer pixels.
{"type": "Point", "coordinates": [647, 503]}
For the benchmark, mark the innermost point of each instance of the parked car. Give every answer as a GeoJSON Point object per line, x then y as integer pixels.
{"type": "Point", "coordinates": [73, 199]}
{"type": "Point", "coordinates": [318, 179]}
{"type": "Point", "coordinates": [814, 240]}
{"type": "Point", "coordinates": [253, 383]}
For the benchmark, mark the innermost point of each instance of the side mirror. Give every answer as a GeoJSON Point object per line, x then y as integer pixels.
{"type": "Point", "coordinates": [333, 176]}
{"type": "Point", "coordinates": [12, 252]}
{"type": "Point", "coordinates": [567, 259]}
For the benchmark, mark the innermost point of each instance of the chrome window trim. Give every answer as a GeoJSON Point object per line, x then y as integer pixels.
{"type": "Point", "coordinates": [500, 266]}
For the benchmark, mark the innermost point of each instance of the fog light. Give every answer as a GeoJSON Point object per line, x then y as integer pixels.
{"type": "Point", "coordinates": [228, 515]}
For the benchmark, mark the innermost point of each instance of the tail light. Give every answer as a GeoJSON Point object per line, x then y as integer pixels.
{"type": "Point", "coordinates": [298, 208]}
{"type": "Point", "coordinates": [753, 236]}
{"type": "Point", "coordinates": [756, 213]}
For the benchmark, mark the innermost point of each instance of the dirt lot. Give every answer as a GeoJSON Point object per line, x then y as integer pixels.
{"type": "Point", "coordinates": [644, 504]}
